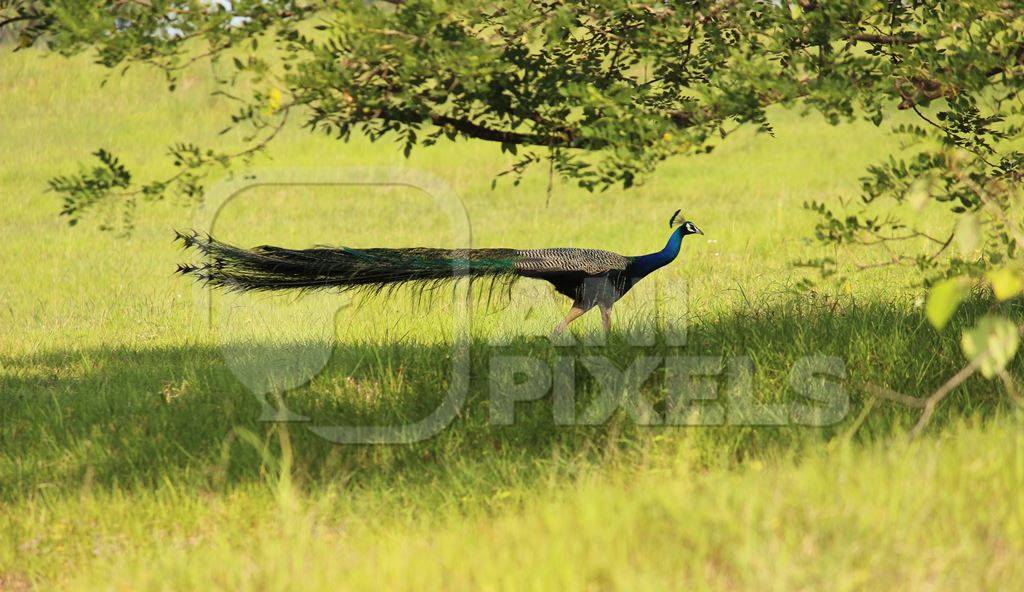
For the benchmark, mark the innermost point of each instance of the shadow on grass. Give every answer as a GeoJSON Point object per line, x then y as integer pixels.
{"type": "Point", "coordinates": [139, 418]}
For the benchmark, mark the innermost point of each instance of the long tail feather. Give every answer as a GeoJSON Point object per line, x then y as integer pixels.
{"type": "Point", "coordinates": [275, 268]}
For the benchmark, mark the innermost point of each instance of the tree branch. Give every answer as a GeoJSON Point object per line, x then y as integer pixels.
{"type": "Point", "coordinates": [881, 39]}
{"type": "Point", "coordinates": [15, 19]}
{"type": "Point", "coordinates": [887, 393]}
{"type": "Point", "coordinates": [935, 398]}
{"type": "Point", "coordinates": [475, 130]}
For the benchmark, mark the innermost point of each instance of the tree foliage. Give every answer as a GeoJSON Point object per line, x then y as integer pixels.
{"type": "Point", "coordinates": [603, 91]}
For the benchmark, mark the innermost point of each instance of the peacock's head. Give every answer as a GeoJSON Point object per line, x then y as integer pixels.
{"type": "Point", "coordinates": [687, 226]}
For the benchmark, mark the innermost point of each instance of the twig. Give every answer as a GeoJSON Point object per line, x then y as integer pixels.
{"type": "Point", "coordinates": [989, 201]}
{"type": "Point", "coordinates": [284, 111]}
{"type": "Point", "coordinates": [860, 419]}
{"type": "Point", "coordinates": [943, 247]}
{"type": "Point", "coordinates": [1011, 389]}
{"type": "Point", "coordinates": [950, 133]}
{"type": "Point", "coordinates": [929, 404]}
{"type": "Point", "coordinates": [935, 398]}
{"type": "Point", "coordinates": [15, 19]}
{"type": "Point", "coordinates": [883, 39]}
{"type": "Point", "coordinates": [888, 393]}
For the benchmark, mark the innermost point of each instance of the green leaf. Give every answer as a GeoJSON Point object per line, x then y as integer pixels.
{"type": "Point", "coordinates": [968, 234]}
{"type": "Point", "coordinates": [991, 344]}
{"type": "Point", "coordinates": [918, 193]}
{"type": "Point", "coordinates": [944, 299]}
{"type": "Point", "coordinates": [1006, 282]}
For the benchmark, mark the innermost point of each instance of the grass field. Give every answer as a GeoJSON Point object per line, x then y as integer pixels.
{"type": "Point", "coordinates": [132, 455]}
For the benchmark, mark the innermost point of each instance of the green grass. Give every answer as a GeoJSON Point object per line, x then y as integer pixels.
{"type": "Point", "coordinates": [131, 455]}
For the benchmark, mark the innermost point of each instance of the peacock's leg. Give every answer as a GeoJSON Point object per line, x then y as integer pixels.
{"type": "Point", "coordinates": [574, 313]}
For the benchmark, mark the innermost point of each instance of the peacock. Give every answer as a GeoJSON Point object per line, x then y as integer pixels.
{"type": "Point", "coordinates": [590, 277]}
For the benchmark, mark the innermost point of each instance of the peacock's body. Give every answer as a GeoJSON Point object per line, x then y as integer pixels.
{"type": "Point", "coordinates": [590, 277]}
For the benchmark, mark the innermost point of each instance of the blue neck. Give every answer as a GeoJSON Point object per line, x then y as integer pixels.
{"type": "Point", "coordinates": [645, 264]}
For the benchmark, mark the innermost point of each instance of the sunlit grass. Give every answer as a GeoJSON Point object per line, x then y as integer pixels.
{"type": "Point", "coordinates": [131, 455]}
